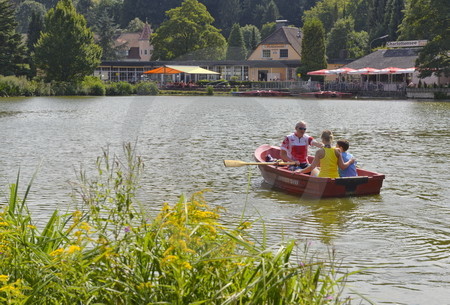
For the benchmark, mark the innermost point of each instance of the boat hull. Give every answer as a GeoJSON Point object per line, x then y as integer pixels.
{"type": "Point", "coordinates": [261, 93]}
{"type": "Point", "coordinates": [326, 94]}
{"type": "Point", "coordinates": [366, 183]}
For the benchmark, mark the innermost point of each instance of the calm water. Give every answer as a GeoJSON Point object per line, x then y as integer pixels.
{"type": "Point", "coordinates": [401, 236]}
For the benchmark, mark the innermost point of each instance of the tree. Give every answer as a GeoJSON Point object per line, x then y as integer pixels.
{"type": "Point", "coordinates": [24, 12]}
{"type": "Point", "coordinates": [271, 14]}
{"type": "Point", "coordinates": [344, 42]}
{"type": "Point", "coordinates": [135, 25]}
{"type": "Point", "coordinates": [429, 19]}
{"type": "Point", "coordinates": [66, 50]}
{"type": "Point", "coordinates": [34, 31]}
{"type": "Point", "coordinates": [151, 11]}
{"type": "Point", "coordinates": [236, 48]}
{"type": "Point", "coordinates": [106, 29]}
{"type": "Point", "coordinates": [338, 38]}
{"type": "Point", "coordinates": [252, 37]}
{"type": "Point", "coordinates": [12, 51]}
{"type": "Point", "coordinates": [393, 17]}
{"type": "Point", "coordinates": [325, 11]}
{"type": "Point", "coordinates": [313, 48]}
{"type": "Point", "coordinates": [230, 12]}
{"type": "Point", "coordinates": [49, 3]}
{"type": "Point", "coordinates": [268, 29]}
{"type": "Point", "coordinates": [357, 44]}
{"type": "Point", "coordinates": [375, 18]}
{"type": "Point", "coordinates": [188, 34]}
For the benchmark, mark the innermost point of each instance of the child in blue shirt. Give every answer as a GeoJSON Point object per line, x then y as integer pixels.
{"type": "Point", "coordinates": [350, 171]}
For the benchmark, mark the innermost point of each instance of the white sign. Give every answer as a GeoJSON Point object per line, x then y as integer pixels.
{"type": "Point", "coordinates": [406, 43]}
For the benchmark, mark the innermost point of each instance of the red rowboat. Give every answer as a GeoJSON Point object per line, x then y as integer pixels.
{"type": "Point", "coordinates": [366, 183]}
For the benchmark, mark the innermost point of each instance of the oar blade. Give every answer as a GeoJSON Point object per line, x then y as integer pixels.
{"type": "Point", "coordinates": [233, 163]}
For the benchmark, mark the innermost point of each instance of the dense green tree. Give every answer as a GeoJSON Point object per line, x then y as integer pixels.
{"type": "Point", "coordinates": [429, 20]}
{"type": "Point", "coordinates": [236, 47]}
{"type": "Point", "coordinates": [357, 44]}
{"type": "Point", "coordinates": [393, 17]}
{"type": "Point", "coordinates": [135, 25]}
{"type": "Point", "coordinates": [358, 10]}
{"type": "Point", "coordinates": [34, 31]}
{"type": "Point", "coordinates": [106, 29]}
{"type": "Point", "coordinates": [112, 7]}
{"type": "Point", "coordinates": [49, 3]}
{"type": "Point", "coordinates": [375, 20]}
{"type": "Point", "coordinates": [151, 11]}
{"type": "Point", "coordinates": [343, 42]}
{"type": "Point", "coordinates": [293, 10]}
{"type": "Point", "coordinates": [337, 38]}
{"type": "Point", "coordinates": [24, 12]}
{"type": "Point", "coordinates": [230, 12]}
{"type": "Point", "coordinates": [188, 34]}
{"type": "Point", "coordinates": [84, 6]}
{"type": "Point", "coordinates": [271, 13]}
{"type": "Point", "coordinates": [268, 29]}
{"type": "Point", "coordinates": [66, 50]}
{"type": "Point", "coordinates": [313, 48]}
{"type": "Point", "coordinates": [252, 37]}
{"type": "Point", "coordinates": [12, 50]}
{"type": "Point", "coordinates": [325, 11]}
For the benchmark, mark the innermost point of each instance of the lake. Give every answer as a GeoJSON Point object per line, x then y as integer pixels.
{"type": "Point", "coordinates": [400, 239]}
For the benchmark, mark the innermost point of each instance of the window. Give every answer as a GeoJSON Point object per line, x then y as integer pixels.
{"type": "Point", "coordinates": [266, 53]}
{"type": "Point", "coordinates": [284, 53]}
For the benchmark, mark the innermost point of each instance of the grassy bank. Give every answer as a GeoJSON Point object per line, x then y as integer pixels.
{"type": "Point", "coordinates": [111, 251]}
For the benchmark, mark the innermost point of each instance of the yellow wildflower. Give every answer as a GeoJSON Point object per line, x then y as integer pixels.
{"type": "Point", "coordinates": [187, 265]}
{"type": "Point", "coordinates": [57, 252]}
{"type": "Point", "coordinates": [4, 278]}
{"type": "Point", "coordinates": [85, 226]}
{"type": "Point", "coordinates": [169, 259]}
{"type": "Point", "coordinates": [145, 285]}
{"type": "Point", "coordinates": [73, 249]}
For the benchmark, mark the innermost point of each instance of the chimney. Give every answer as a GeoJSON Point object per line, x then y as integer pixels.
{"type": "Point", "coordinates": [280, 23]}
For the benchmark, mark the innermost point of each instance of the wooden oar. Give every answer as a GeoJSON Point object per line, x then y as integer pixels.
{"type": "Point", "coordinates": [237, 163]}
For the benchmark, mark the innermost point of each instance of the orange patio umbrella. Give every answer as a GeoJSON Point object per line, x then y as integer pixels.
{"type": "Point", "coordinates": [163, 70]}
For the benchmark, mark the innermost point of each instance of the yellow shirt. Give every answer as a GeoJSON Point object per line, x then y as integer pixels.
{"type": "Point", "coordinates": [329, 164]}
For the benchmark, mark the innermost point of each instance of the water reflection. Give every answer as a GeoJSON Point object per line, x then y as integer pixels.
{"type": "Point", "coordinates": [327, 216]}
{"type": "Point", "coordinates": [401, 235]}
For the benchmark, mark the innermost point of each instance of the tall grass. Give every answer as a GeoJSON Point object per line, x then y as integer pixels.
{"type": "Point", "coordinates": [111, 251]}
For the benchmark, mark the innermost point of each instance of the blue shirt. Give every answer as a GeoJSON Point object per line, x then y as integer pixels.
{"type": "Point", "coordinates": [350, 171]}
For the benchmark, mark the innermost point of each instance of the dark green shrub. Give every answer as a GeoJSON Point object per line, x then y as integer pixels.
{"type": "Point", "coordinates": [64, 88]}
{"type": "Point", "coordinates": [209, 90]}
{"type": "Point", "coordinates": [92, 85]}
{"type": "Point", "coordinates": [16, 86]}
{"type": "Point", "coordinates": [147, 88]}
{"type": "Point", "coordinates": [119, 88]}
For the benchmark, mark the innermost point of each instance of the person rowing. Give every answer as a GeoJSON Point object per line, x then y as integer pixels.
{"type": "Point", "coordinates": [295, 147]}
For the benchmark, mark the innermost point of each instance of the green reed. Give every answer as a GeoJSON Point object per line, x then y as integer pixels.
{"type": "Point", "coordinates": [111, 251]}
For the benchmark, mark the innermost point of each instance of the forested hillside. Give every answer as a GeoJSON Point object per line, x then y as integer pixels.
{"type": "Point", "coordinates": [352, 28]}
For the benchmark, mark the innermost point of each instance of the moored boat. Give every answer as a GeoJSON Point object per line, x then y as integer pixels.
{"type": "Point", "coordinates": [326, 94]}
{"type": "Point", "coordinates": [262, 93]}
{"type": "Point", "coordinates": [366, 183]}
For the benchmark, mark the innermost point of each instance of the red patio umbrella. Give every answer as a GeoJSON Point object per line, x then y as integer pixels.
{"type": "Point", "coordinates": [344, 70]}
{"type": "Point", "coordinates": [319, 72]}
{"type": "Point", "coordinates": [389, 70]}
{"type": "Point", "coordinates": [366, 70]}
